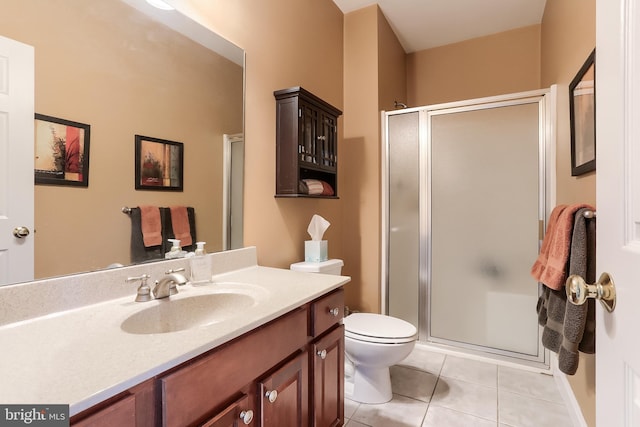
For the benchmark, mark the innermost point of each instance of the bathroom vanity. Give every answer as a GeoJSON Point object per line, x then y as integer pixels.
{"type": "Point", "coordinates": [277, 361]}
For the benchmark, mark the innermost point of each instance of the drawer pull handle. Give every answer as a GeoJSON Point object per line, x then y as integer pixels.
{"type": "Point", "coordinates": [246, 416]}
{"type": "Point", "coordinates": [334, 312]}
{"type": "Point", "coordinates": [322, 354]}
{"type": "Point", "coordinates": [271, 395]}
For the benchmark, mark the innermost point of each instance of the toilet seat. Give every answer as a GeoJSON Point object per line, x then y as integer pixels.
{"type": "Point", "coordinates": [378, 328]}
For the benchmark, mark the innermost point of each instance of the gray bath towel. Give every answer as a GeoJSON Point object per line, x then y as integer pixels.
{"type": "Point", "coordinates": [570, 328]}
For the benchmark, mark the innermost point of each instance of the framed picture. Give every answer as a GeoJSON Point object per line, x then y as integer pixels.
{"type": "Point", "coordinates": [582, 105]}
{"type": "Point", "coordinates": [61, 151]}
{"type": "Point", "coordinates": [159, 164]}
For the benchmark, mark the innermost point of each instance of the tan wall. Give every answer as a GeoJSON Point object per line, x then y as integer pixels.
{"type": "Point", "coordinates": [392, 67]}
{"type": "Point", "coordinates": [497, 64]}
{"type": "Point", "coordinates": [94, 65]}
{"type": "Point", "coordinates": [287, 43]}
{"type": "Point", "coordinates": [374, 76]}
{"type": "Point", "coordinates": [362, 206]}
{"type": "Point", "coordinates": [568, 37]}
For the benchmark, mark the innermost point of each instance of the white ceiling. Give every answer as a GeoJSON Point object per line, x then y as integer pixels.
{"type": "Point", "coordinates": [423, 24]}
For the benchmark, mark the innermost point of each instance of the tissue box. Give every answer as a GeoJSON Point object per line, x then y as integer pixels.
{"type": "Point", "coordinates": [315, 250]}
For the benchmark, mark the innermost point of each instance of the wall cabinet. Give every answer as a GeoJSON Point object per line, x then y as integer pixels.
{"type": "Point", "coordinates": [288, 372]}
{"type": "Point", "coordinates": [306, 142]}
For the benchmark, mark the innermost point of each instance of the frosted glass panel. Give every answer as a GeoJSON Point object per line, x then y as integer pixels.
{"type": "Point", "coordinates": [404, 233]}
{"type": "Point", "coordinates": [484, 227]}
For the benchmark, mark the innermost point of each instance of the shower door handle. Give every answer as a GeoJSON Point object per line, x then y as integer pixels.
{"type": "Point", "coordinates": [578, 291]}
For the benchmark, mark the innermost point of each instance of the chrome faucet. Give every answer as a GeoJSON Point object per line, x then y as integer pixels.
{"type": "Point", "coordinates": [168, 285]}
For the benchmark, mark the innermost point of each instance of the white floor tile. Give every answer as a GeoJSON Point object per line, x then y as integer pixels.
{"type": "Point", "coordinates": [350, 407]}
{"type": "Point", "coordinates": [425, 360]}
{"type": "Point", "coordinates": [399, 412]}
{"type": "Point", "coordinates": [413, 383]}
{"type": "Point", "coordinates": [520, 411]}
{"type": "Point", "coordinates": [462, 392]}
{"type": "Point", "coordinates": [472, 371]}
{"type": "Point", "coordinates": [527, 383]}
{"type": "Point", "coordinates": [470, 398]}
{"type": "Point", "coordinates": [438, 416]}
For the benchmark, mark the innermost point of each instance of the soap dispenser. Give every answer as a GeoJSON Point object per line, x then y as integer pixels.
{"type": "Point", "coordinates": [200, 248]}
{"type": "Point", "coordinates": [200, 265]}
{"type": "Point", "coordinates": [176, 250]}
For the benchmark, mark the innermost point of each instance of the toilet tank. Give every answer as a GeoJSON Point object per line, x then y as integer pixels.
{"type": "Point", "coordinates": [332, 266]}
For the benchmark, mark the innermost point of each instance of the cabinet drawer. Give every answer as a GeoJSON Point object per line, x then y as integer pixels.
{"type": "Point", "coordinates": [326, 312]}
{"type": "Point", "coordinates": [197, 389]}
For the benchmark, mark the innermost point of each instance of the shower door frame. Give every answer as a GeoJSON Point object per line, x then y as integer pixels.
{"type": "Point", "coordinates": [546, 100]}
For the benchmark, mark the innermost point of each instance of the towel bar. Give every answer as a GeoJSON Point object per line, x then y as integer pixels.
{"type": "Point", "coordinates": [126, 210]}
{"type": "Point", "coordinates": [589, 214]}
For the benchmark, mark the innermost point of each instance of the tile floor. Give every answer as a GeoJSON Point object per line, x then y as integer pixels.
{"type": "Point", "coordinates": [437, 390]}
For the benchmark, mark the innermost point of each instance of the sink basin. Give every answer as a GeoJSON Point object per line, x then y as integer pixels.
{"type": "Point", "coordinates": [172, 315]}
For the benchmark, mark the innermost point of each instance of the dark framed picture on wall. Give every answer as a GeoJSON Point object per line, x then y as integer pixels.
{"type": "Point", "coordinates": [61, 154]}
{"type": "Point", "coordinates": [582, 111]}
{"type": "Point", "coordinates": [159, 164]}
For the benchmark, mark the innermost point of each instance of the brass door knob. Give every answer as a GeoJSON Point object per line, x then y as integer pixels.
{"type": "Point", "coordinates": [578, 291]}
{"type": "Point", "coordinates": [21, 232]}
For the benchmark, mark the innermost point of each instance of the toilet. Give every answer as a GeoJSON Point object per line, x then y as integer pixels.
{"type": "Point", "coordinates": [373, 343]}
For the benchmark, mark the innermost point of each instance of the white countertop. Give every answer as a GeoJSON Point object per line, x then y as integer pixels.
{"type": "Point", "coordinates": [82, 356]}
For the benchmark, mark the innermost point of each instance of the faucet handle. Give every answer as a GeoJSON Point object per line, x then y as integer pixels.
{"type": "Point", "coordinates": [174, 270]}
{"type": "Point", "coordinates": [144, 291]}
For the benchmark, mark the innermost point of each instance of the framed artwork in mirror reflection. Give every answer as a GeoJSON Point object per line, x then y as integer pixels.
{"type": "Point", "coordinates": [61, 151]}
{"type": "Point", "coordinates": [582, 111]}
{"type": "Point", "coordinates": [159, 164]}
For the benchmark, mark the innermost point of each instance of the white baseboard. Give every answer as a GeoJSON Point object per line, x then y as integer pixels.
{"type": "Point", "coordinates": [567, 393]}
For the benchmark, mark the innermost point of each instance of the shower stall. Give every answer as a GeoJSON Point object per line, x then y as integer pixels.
{"type": "Point", "coordinates": [466, 186]}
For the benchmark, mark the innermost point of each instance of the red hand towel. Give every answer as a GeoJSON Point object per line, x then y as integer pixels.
{"type": "Point", "coordinates": [151, 225]}
{"type": "Point", "coordinates": [180, 224]}
{"type": "Point", "coordinates": [551, 265]}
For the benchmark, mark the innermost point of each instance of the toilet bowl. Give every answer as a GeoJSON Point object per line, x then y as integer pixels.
{"type": "Point", "coordinates": [373, 343]}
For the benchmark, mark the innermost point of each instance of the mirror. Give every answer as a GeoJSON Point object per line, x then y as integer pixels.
{"type": "Point", "coordinates": [118, 67]}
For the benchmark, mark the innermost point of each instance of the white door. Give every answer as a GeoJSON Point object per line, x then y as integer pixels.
{"type": "Point", "coordinates": [16, 160]}
{"type": "Point", "coordinates": [618, 210]}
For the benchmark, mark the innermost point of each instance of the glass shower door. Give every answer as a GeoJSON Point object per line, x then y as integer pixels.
{"type": "Point", "coordinates": [403, 216]}
{"type": "Point", "coordinates": [483, 227]}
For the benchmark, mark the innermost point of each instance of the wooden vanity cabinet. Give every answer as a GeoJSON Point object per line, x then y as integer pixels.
{"type": "Point", "coordinates": [306, 141]}
{"type": "Point", "coordinates": [194, 392]}
{"type": "Point", "coordinates": [286, 373]}
{"type": "Point", "coordinates": [327, 360]}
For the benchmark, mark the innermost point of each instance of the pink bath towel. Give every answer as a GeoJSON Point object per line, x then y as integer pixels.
{"type": "Point", "coordinates": [151, 225]}
{"type": "Point", "coordinates": [551, 266]}
{"type": "Point", "coordinates": [180, 224]}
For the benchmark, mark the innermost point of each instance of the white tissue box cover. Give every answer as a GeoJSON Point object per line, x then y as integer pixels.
{"type": "Point", "coordinates": [315, 250]}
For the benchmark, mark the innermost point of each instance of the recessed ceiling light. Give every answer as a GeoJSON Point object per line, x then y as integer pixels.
{"type": "Point", "coordinates": [160, 4]}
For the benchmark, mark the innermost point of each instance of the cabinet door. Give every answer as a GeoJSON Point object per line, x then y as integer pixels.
{"type": "Point", "coordinates": [328, 148]}
{"type": "Point", "coordinates": [239, 413]}
{"type": "Point", "coordinates": [121, 413]}
{"type": "Point", "coordinates": [327, 365]}
{"type": "Point", "coordinates": [308, 140]}
{"type": "Point", "coordinates": [284, 395]}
